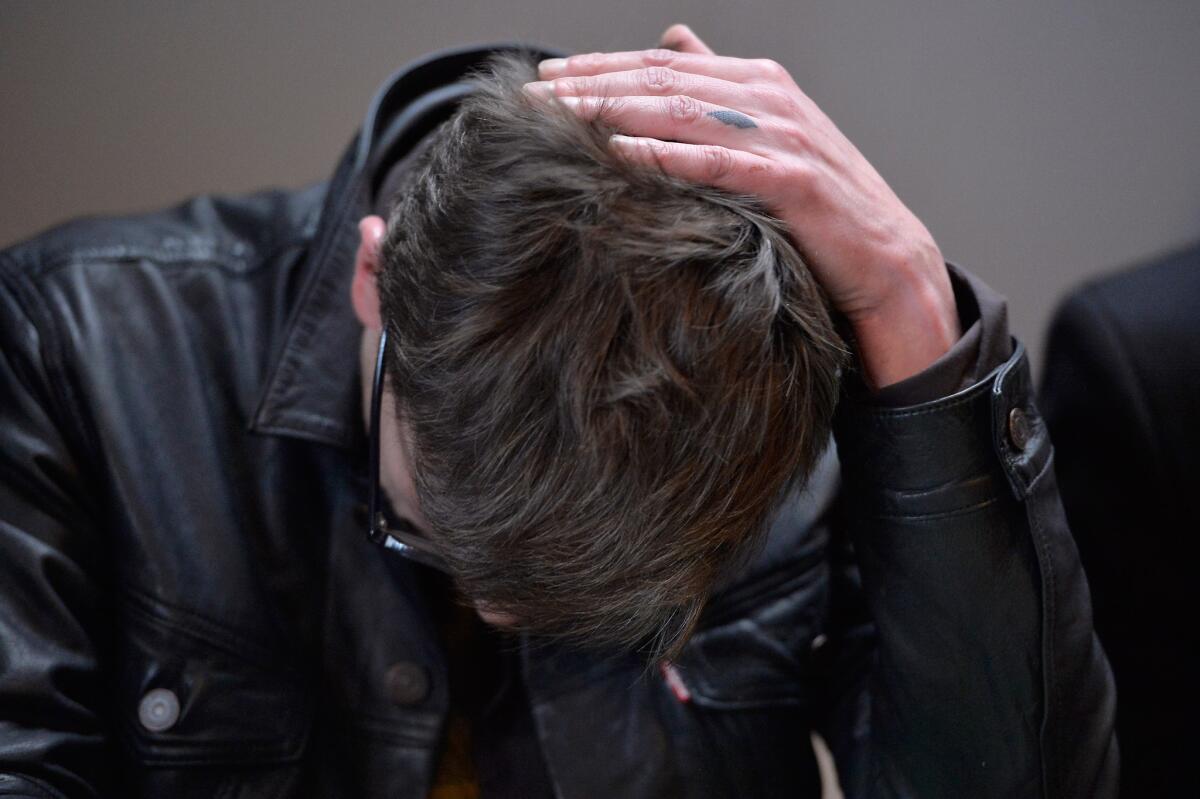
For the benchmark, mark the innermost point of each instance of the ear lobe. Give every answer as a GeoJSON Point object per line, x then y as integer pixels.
{"type": "Point", "coordinates": [364, 294]}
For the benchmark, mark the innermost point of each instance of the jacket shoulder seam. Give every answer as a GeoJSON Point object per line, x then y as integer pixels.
{"type": "Point", "coordinates": [172, 257]}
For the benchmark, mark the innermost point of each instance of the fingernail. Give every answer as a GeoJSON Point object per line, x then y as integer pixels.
{"type": "Point", "coordinates": [540, 88]}
{"type": "Point", "coordinates": [552, 67]}
{"type": "Point", "coordinates": [569, 102]}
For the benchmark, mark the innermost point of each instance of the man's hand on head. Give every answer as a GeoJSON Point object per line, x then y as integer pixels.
{"type": "Point", "coordinates": [745, 126]}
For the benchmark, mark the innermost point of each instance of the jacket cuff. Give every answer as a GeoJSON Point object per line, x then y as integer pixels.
{"type": "Point", "coordinates": [983, 346]}
{"type": "Point", "coordinates": [948, 454]}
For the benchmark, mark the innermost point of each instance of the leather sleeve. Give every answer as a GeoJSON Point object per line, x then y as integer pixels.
{"type": "Point", "coordinates": [961, 655]}
{"type": "Point", "coordinates": [52, 741]}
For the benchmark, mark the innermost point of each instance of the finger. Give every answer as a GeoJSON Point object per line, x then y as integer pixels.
{"type": "Point", "coordinates": [711, 164]}
{"type": "Point", "coordinates": [677, 118]}
{"type": "Point", "coordinates": [682, 38]}
{"type": "Point", "coordinates": [738, 70]}
{"type": "Point", "coordinates": [651, 81]}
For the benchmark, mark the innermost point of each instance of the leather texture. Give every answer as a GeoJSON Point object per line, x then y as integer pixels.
{"type": "Point", "coordinates": [182, 469]}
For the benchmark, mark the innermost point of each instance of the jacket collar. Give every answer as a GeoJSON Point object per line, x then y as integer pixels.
{"type": "Point", "coordinates": [312, 391]}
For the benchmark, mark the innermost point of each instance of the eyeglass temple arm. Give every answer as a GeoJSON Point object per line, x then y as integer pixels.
{"type": "Point", "coordinates": [375, 530]}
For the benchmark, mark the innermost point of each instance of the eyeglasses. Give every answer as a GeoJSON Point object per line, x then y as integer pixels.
{"type": "Point", "coordinates": [401, 535]}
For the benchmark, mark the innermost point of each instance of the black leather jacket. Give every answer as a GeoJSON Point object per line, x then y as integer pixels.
{"type": "Point", "coordinates": [189, 607]}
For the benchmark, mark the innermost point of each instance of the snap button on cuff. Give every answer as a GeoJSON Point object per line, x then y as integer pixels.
{"type": "Point", "coordinates": [159, 710]}
{"type": "Point", "coordinates": [1018, 428]}
{"type": "Point", "coordinates": [407, 683]}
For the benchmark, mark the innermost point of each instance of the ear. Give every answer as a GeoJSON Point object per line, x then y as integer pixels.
{"type": "Point", "coordinates": [680, 37]}
{"type": "Point", "coordinates": [364, 293]}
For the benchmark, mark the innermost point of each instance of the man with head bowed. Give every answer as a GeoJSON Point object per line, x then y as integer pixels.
{"type": "Point", "coordinates": [605, 426]}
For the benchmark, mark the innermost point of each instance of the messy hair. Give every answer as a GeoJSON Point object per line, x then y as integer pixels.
{"type": "Point", "coordinates": [611, 376]}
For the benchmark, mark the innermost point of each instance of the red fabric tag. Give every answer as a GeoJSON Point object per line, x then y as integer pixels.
{"type": "Point", "coordinates": [675, 681]}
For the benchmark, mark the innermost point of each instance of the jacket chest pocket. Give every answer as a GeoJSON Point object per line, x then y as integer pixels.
{"type": "Point", "coordinates": [200, 712]}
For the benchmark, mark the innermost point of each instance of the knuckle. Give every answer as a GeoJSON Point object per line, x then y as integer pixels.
{"type": "Point", "coordinates": [797, 137]}
{"type": "Point", "coordinates": [770, 68]}
{"type": "Point", "coordinates": [659, 79]}
{"type": "Point", "coordinates": [758, 176]}
{"type": "Point", "coordinates": [718, 161]}
{"type": "Point", "coordinates": [681, 108]}
{"type": "Point", "coordinates": [760, 170]}
{"type": "Point", "coordinates": [659, 56]}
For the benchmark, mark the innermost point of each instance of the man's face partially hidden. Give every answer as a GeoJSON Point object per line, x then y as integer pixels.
{"type": "Point", "coordinates": [395, 437]}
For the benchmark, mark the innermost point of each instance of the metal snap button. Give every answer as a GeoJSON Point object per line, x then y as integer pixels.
{"type": "Point", "coordinates": [1019, 432]}
{"type": "Point", "coordinates": [407, 683]}
{"type": "Point", "coordinates": [159, 710]}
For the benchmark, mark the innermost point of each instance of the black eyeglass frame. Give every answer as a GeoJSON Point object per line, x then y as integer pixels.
{"type": "Point", "coordinates": [401, 536]}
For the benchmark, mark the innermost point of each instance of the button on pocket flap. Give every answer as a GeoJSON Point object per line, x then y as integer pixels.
{"type": "Point", "coordinates": [188, 693]}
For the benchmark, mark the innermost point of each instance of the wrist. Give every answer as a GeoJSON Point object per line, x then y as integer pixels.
{"type": "Point", "coordinates": [906, 331]}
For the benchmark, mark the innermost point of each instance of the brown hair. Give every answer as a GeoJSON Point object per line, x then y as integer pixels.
{"type": "Point", "coordinates": [611, 376]}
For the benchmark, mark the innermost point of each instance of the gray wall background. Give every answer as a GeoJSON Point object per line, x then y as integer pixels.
{"type": "Point", "coordinates": [1042, 141]}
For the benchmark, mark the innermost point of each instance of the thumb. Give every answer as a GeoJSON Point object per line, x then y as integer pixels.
{"type": "Point", "coordinates": [680, 37]}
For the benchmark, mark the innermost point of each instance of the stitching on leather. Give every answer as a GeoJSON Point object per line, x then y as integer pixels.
{"type": "Point", "coordinates": [205, 248]}
{"type": "Point", "coordinates": [987, 384]}
{"type": "Point", "coordinates": [205, 630]}
{"type": "Point", "coordinates": [985, 477]}
{"type": "Point", "coordinates": [1053, 605]}
{"type": "Point", "coordinates": [901, 414]}
{"type": "Point", "coordinates": [285, 749]}
{"type": "Point", "coordinates": [195, 251]}
{"type": "Point", "coordinates": [950, 514]}
{"type": "Point", "coordinates": [400, 731]}
{"type": "Point", "coordinates": [1050, 615]}
{"type": "Point", "coordinates": [310, 420]}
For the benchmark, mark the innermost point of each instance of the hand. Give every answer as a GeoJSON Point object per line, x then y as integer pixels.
{"type": "Point", "coordinates": [745, 126]}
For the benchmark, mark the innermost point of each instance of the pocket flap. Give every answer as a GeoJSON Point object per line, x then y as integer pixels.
{"type": "Point", "coordinates": [192, 694]}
